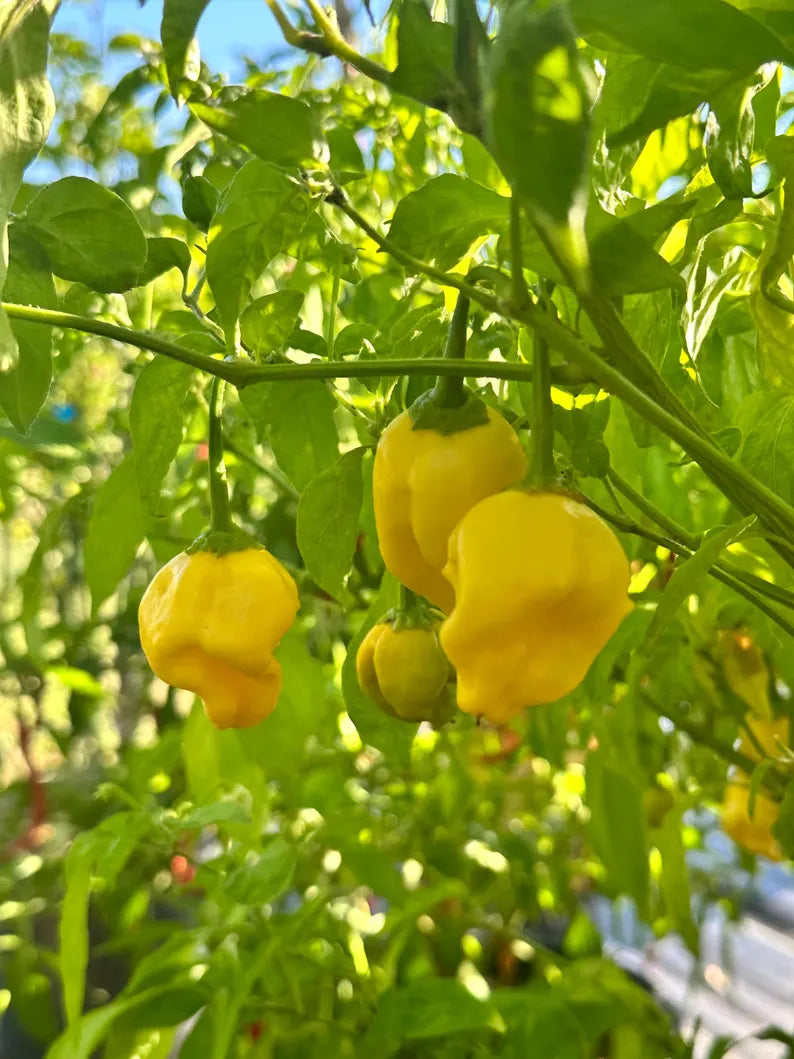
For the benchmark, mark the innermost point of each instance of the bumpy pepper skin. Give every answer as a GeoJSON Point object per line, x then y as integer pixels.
{"type": "Point", "coordinates": [209, 624]}
{"type": "Point", "coordinates": [541, 584]}
{"type": "Point", "coordinates": [754, 832]}
{"type": "Point", "coordinates": [405, 672]}
{"type": "Point", "coordinates": [424, 482]}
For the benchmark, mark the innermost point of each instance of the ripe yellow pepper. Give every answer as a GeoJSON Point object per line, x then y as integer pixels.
{"type": "Point", "coordinates": [424, 482]}
{"type": "Point", "coordinates": [405, 672]}
{"type": "Point", "coordinates": [209, 624]}
{"type": "Point", "coordinates": [754, 832]}
{"type": "Point", "coordinates": [540, 584]}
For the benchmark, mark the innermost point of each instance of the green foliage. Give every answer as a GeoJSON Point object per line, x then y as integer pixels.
{"type": "Point", "coordinates": [334, 881]}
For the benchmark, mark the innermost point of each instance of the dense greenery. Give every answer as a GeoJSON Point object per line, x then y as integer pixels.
{"type": "Point", "coordinates": [335, 881]}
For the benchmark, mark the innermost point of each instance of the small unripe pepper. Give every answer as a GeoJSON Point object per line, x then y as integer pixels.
{"type": "Point", "coordinates": [405, 672]}
{"type": "Point", "coordinates": [209, 623]}
{"type": "Point", "coordinates": [754, 832]}
{"type": "Point", "coordinates": [424, 482]}
{"type": "Point", "coordinates": [540, 586]}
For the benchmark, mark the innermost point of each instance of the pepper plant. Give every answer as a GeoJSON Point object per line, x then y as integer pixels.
{"type": "Point", "coordinates": [563, 226]}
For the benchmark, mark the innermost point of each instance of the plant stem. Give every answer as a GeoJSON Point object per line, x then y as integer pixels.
{"type": "Point", "coordinates": [520, 292]}
{"type": "Point", "coordinates": [704, 736]}
{"type": "Point", "coordinates": [330, 335]}
{"type": "Point", "coordinates": [242, 373]}
{"type": "Point", "coordinates": [451, 389]}
{"type": "Point", "coordinates": [692, 541]}
{"type": "Point", "coordinates": [327, 42]}
{"type": "Point", "coordinates": [219, 491]}
{"type": "Point", "coordinates": [542, 471]}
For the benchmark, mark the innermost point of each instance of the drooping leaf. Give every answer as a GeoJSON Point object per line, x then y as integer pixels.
{"type": "Point", "coordinates": [115, 531]}
{"type": "Point", "coordinates": [327, 525]}
{"type": "Point", "coordinates": [28, 282]}
{"type": "Point", "coordinates": [537, 108]}
{"type": "Point", "coordinates": [180, 18]}
{"type": "Point", "coordinates": [701, 34]}
{"type": "Point", "coordinates": [156, 424]}
{"type": "Point", "coordinates": [73, 927]}
{"type": "Point", "coordinates": [442, 219]}
{"type": "Point", "coordinates": [275, 127]}
{"type": "Point", "coordinates": [259, 213]}
{"type": "Point", "coordinates": [269, 321]}
{"type": "Point", "coordinates": [90, 234]}
{"type": "Point", "coordinates": [617, 823]}
{"type": "Point", "coordinates": [164, 253]}
{"type": "Point", "coordinates": [768, 449]}
{"type": "Point", "coordinates": [302, 432]}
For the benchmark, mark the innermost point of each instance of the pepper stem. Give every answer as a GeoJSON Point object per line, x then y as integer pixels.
{"type": "Point", "coordinates": [450, 391]}
{"type": "Point", "coordinates": [220, 513]}
{"type": "Point", "coordinates": [542, 472]}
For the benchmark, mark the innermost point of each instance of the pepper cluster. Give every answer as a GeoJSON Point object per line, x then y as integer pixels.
{"type": "Point", "coordinates": [532, 583]}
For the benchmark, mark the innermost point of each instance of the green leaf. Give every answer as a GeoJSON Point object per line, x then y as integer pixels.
{"type": "Point", "coordinates": [28, 282]}
{"type": "Point", "coordinates": [422, 1010]}
{"type": "Point", "coordinates": [259, 213]}
{"type": "Point", "coordinates": [26, 111]}
{"type": "Point", "coordinates": [584, 428]}
{"type": "Point", "coordinates": [425, 59]}
{"type": "Point", "coordinates": [302, 433]}
{"type": "Point", "coordinates": [89, 233]}
{"type": "Point", "coordinates": [272, 126]}
{"type": "Point", "coordinates": [82, 1039]}
{"type": "Point", "coordinates": [217, 813]}
{"type": "Point", "coordinates": [640, 96]}
{"type": "Point", "coordinates": [675, 880]}
{"type": "Point", "coordinates": [537, 107]}
{"type": "Point", "coordinates": [180, 18]}
{"type": "Point", "coordinates": [266, 879]}
{"type": "Point", "coordinates": [73, 926]}
{"type": "Point", "coordinates": [623, 262]}
{"type": "Point", "coordinates": [440, 221]}
{"type": "Point", "coordinates": [617, 824]}
{"type": "Point", "coordinates": [768, 449]}
{"type": "Point", "coordinates": [164, 253]}
{"type": "Point", "coordinates": [269, 321]}
{"type": "Point", "coordinates": [700, 34]}
{"type": "Point", "coordinates": [115, 530]}
{"type": "Point", "coordinates": [688, 575]}
{"type": "Point", "coordinates": [156, 424]}
{"type": "Point", "coordinates": [327, 524]}
{"type": "Point", "coordinates": [200, 754]}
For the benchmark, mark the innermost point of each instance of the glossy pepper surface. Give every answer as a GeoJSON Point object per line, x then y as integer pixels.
{"type": "Point", "coordinates": [754, 832]}
{"type": "Point", "coordinates": [541, 584]}
{"type": "Point", "coordinates": [424, 482]}
{"type": "Point", "coordinates": [405, 672]}
{"type": "Point", "coordinates": [209, 624]}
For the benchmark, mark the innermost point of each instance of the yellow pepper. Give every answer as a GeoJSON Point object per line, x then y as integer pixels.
{"type": "Point", "coordinates": [209, 624]}
{"type": "Point", "coordinates": [754, 832]}
{"type": "Point", "coordinates": [424, 482]}
{"type": "Point", "coordinates": [540, 584]}
{"type": "Point", "coordinates": [405, 672]}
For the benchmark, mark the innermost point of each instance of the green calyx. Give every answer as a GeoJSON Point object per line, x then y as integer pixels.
{"type": "Point", "coordinates": [223, 542]}
{"type": "Point", "coordinates": [432, 412]}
